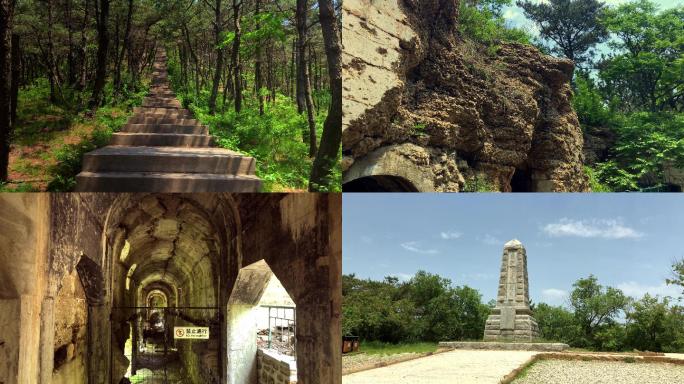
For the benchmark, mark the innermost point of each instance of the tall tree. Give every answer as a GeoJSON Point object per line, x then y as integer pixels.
{"type": "Point", "coordinates": [572, 25]}
{"type": "Point", "coordinates": [102, 15]}
{"type": "Point", "coordinates": [218, 67]}
{"type": "Point", "coordinates": [328, 153]}
{"type": "Point", "coordinates": [595, 306]}
{"type": "Point", "coordinates": [6, 18]}
{"type": "Point", "coordinates": [236, 64]}
{"type": "Point", "coordinates": [303, 81]}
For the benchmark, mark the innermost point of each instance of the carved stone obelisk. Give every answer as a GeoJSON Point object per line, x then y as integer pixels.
{"type": "Point", "coordinates": [512, 317]}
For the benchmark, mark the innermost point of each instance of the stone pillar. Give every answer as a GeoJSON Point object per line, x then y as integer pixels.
{"type": "Point", "coordinates": [47, 340]}
{"type": "Point", "coordinates": [512, 316]}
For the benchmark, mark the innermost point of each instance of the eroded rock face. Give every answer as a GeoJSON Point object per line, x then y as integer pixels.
{"type": "Point", "coordinates": [499, 115]}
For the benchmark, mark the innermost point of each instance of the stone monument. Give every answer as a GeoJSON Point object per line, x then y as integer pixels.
{"type": "Point", "coordinates": [512, 316]}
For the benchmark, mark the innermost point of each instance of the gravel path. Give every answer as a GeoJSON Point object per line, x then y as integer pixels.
{"type": "Point", "coordinates": [459, 366]}
{"type": "Point", "coordinates": [602, 372]}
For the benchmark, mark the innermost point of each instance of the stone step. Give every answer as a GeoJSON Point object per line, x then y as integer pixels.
{"type": "Point", "coordinates": [168, 159]}
{"type": "Point", "coordinates": [164, 182]}
{"type": "Point", "coordinates": [160, 139]}
{"type": "Point", "coordinates": [161, 119]}
{"type": "Point", "coordinates": [170, 105]}
{"type": "Point", "coordinates": [166, 112]}
{"type": "Point", "coordinates": [193, 129]}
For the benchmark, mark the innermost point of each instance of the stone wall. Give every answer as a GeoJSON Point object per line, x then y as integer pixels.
{"type": "Point", "coordinates": [275, 368]}
{"type": "Point", "coordinates": [438, 112]}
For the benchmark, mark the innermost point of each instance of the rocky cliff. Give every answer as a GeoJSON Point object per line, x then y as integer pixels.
{"type": "Point", "coordinates": [427, 110]}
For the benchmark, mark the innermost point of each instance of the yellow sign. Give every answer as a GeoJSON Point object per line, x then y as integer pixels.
{"type": "Point", "coordinates": [190, 332]}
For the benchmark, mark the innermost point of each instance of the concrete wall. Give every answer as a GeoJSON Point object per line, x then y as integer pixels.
{"type": "Point", "coordinates": [23, 250]}
{"type": "Point", "coordinates": [275, 368]}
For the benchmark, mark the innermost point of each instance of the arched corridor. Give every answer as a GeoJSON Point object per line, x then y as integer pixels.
{"type": "Point", "coordinates": [132, 270]}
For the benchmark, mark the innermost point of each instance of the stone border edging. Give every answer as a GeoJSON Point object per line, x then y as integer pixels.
{"type": "Point", "coordinates": [586, 357]}
{"type": "Point", "coordinates": [402, 360]}
{"type": "Point", "coordinates": [509, 346]}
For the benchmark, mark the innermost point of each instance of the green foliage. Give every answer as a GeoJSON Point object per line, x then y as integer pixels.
{"type": "Point", "coordinates": [484, 23]}
{"type": "Point", "coordinates": [595, 309]}
{"type": "Point", "coordinates": [556, 323]}
{"type": "Point", "coordinates": [426, 307]}
{"type": "Point", "coordinates": [70, 156]}
{"type": "Point", "coordinates": [478, 183]}
{"type": "Point", "coordinates": [595, 184]}
{"type": "Point", "coordinates": [645, 143]}
{"type": "Point", "coordinates": [646, 70]}
{"type": "Point", "coordinates": [677, 274]}
{"type": "Point", "coordinates": [274, 139]}
{"type": "Point", "coordinates": [589, 103]}
{"type": "Point", "coordinates": [572, 25]}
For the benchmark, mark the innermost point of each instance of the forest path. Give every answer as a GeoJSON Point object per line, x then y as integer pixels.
{"type": "Point", "coordinates": [163, 149]}
{"type": "Point", "coordinates": [459, 366]}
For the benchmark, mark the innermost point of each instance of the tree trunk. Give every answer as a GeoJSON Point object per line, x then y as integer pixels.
{"type": "Point", "coordinates": [6, 16]}
{"type": "Point", "coordinates": [194, 59]}
{"type": "Point", "coordinates": [16, 75]}
{"type": "Point", "coordinates": [237, 67]}
{"type": "Point", "coordinates": [303, 83]}
{"type": "Point", "coordinates": [120, 55]}
{"type": "Point", "coordinates": [327, 155]}
{"type": "Point", "coordinates": [53, 70]}
{"type": "Point", "coordinates": [102, 46]}
{"type": "Point", "coordinates": [83, 49]}
{"type": "Point", "coordinates": [218, 70]}
{"type": "Point", "coordinates": [257, 64]}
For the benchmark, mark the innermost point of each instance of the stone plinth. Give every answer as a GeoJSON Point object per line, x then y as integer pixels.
{"type": "Point", "coordinates": [512, 316]}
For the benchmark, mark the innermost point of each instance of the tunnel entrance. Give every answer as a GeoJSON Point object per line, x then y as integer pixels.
{"type": "Point", "coordinates": [521, 181]}
{"type": "Point", "coordinates": [168, 344]}
{"type": "Point", "coordinates": [379, 183]}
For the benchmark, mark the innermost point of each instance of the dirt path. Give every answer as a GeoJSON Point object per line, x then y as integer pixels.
{"type": "Point", "coordinates": [460, 366]}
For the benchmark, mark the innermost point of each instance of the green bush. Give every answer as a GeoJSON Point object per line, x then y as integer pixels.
{"type": "Point", "coordinates": [484, 23]}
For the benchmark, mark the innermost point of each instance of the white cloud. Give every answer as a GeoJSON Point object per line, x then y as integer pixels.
{"type": "Point", "coordinates": [403, 277]}
{"type": "Point", "coordinates": [554, 295]}
{"type": "Point", "coordinates": [637, 290]}
{"type": "Point", "coordinates": [366, 239]}
{"type": "Point", "coordinates": [450, 235]}
{"type": "Point", "coordinates": [602, 228]}
{"type": "Point", "coordinates": [413, 246]}
{"type": "Point", "coordinates": [490, 240]}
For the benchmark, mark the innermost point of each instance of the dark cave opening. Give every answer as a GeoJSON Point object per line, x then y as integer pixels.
{"type": "Point", "coordinates": [521, 181]}
{"type": "Point", "coordinates": [379, 183]}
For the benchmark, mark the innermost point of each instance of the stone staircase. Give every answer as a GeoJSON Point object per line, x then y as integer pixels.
{"type": "Point", "coordinates": [163, 149]}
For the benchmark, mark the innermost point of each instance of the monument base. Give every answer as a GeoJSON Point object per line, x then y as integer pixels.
{"type": "Point", "coordinates": [509, 325]}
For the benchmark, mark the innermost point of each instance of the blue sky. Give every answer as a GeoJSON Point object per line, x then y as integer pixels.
{"type": "Point", "coordinates": [514, 15]}
{"type": "Point", "coordinates": [628, 241]}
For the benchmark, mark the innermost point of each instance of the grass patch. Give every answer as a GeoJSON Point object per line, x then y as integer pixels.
{"type": "Point", "coordinates": [276, 139]}
{"type": "Point", "coordinates": [380, 348]}
{"type": "Point", "coordinates": [49, 140]}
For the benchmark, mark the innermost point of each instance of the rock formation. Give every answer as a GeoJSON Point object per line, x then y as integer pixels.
{"type": "Point", "coordinates": [512, 316]}
{"type": "Point", "coordinates": [427, 110]}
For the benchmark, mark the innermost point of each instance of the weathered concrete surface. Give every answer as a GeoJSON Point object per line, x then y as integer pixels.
{"type": "Point", "coordinates": [112, 250]}
{"type": "Point", "coordinates": [511, 318]}
{"type": "Point", "coordinates": [460, 366]}
{"type": "Point", "coordinates": [502, 116]}
{"type": "Point", "coordinates": [494, 346]}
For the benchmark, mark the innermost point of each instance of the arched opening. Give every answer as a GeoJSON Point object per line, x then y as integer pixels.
{"type": "Point", "coordinates": [166, 270]}
{"type": "Point", "coordinates": [521, 181]}
{"type": "Point", "coordinates": [379, 183]}
{"type": "Point", "coordinates": [261, 328]}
